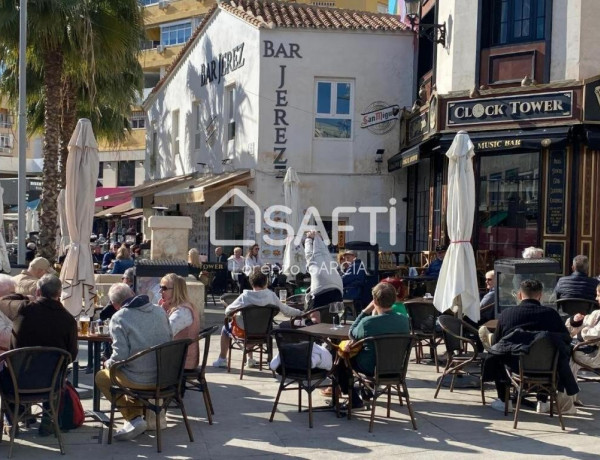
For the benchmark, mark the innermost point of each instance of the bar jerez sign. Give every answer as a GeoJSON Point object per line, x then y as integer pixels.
{"type": "Point", "coordinates": [539, 106]}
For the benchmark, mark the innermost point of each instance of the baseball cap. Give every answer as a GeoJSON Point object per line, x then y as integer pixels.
{"type": "Point", "coordinates": [349, 252]}
{"type": "Point", "coordinates": [41, 263]}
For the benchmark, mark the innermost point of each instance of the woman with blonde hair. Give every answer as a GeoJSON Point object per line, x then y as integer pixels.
{"type": "Point", "coordinates": [122, 262]}
{"type": "Point", "coordinates": [183, 316]}
{"type": "Point", "coordinates": [194, 263]}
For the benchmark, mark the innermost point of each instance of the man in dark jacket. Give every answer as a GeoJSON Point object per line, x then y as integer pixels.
{"type": "Point", "coordinates": [44, 322]}
{"type": "Point", "coordinates": [578, 284]}
{"type": "Point", "coordinates": [353, 277]}
{"type": "Point", "coordinates": [529, 315]}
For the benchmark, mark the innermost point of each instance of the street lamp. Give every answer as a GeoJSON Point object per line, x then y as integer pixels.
{"type": "Point", "coordinates": [436, 33]}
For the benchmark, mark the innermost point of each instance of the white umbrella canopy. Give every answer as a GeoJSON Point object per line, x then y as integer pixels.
{"type": "Point", "coordinates": [457, 283]}
{"type": "Point", "coordinates": [4, 263]}
{"type": "Point", "coordinates": [293, 255]}
{"type": "Point", "coordinates": [63, 230]}
{"type": "Point", "coordinates": [77, 274]}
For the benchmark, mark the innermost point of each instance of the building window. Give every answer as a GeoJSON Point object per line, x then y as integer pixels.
{"type": "Point", "coordinates": [230, 101]}
{"type": "Point", "coordinates": [154, 153]}
{"type": "Point", "coordinates": [5, 141]}
{"type": "Point", "coordinates": [335, 105]}
{"type": "Point", "coordinates": [508, 210]}
{"type": "Point", "coordinates": [138, 120]}
{"type": "Point", "coordinates": [126, 174]}
{"type": "Point", "coordinates": [176, 34]}
{"type": "Point", "coordinates": [148, 2]}
{"type": "Point", "coordinates": [516, 21]}
{"type": "Point", "coordinates": [326, 4]}
{"type": "Point", "coordinates": [175, 133]}
{"type": "Point", "coordinates": [197, 125]}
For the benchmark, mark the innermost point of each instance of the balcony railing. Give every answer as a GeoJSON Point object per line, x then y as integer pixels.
{"type": "Point", "coordinates": [149, 44]}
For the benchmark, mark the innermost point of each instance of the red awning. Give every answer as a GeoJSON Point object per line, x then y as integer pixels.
{"type": "Point", "coordinates": [105, 193]}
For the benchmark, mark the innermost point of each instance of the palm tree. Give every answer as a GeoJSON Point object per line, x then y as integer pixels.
{"type": "Point", "coordinates": [72, 44]}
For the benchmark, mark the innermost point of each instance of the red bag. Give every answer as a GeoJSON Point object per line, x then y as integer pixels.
{"type": "Point", "coordinates": [70, 414]}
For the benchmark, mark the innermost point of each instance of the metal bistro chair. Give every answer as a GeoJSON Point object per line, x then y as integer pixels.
{"type": "Point", "coordinates": [36, 376]}
{"type": "Point", "coordinates": [392, 353]}
{"type": "Point", "coordinates": [297, 301]}
{"type": "Point", "coordinates": [195, 379]}
{"type": "Point", "coordinates": [422, 317]}
{"type": "Point", "coordinates": [573, 306]}
{"type": "Point", "coordinates": [170, 361]}
{"type": "Point", "coordinates": [295, 352]}
{"type": "Point", "coordinates": [536, 374]}
{"type": "Point", "coordinates": [460, 359]}
{"type": "Point", "coordinates": [258, 324]}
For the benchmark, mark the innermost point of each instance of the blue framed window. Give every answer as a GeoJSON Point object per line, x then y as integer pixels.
{"type": "Point", "coordinates": [148, 2]}
{"type": "Point", "coordinates": [176, 34]}
{"type": "Point", "coordinates": [335, 106]}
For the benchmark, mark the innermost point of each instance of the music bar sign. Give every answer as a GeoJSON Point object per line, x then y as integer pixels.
{"type": "Point", "coordinates": [510, 109]}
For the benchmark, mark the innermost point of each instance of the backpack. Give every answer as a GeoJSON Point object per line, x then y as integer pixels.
{"type": "Point", "coordinates": [70, 414]}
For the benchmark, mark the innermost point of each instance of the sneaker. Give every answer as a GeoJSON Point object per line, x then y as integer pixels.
{"type": "Point", "coordinates": [542, 407]}
{"type": "Point", "coordinates": [251, 363]}
{"type": "Point", "coordinates": [131, 429]}
{"type": "Point", "coordinates": [498, 405]}
{"type": "Point", "coordinates": [220, 362]}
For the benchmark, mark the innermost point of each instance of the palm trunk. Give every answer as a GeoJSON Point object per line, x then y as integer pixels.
{"type": "Point", "coordinates": [69, 121]}
{"type": "Point", "coordinates": [53, 62]}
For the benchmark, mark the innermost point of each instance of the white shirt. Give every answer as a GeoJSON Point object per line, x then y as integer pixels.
{"type": "Point", "coordinates": [320, 358]}
{"type": "Point", "coordinates": [235, 265]}
{"type": "Point", "coordinates": [180, 319]}
{"type": "Point", "coordinates": [260, 298]}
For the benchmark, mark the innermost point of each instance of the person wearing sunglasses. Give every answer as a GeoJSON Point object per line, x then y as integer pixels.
{"type": "Point", "coordinates": [183, 315]}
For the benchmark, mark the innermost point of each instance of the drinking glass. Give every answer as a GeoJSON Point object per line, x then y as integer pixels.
{"type": "Point", "coordinates": [283, 295]}
{"type": "Point", "coordinates": [85, 325]}
{"type": "Point", "coordinates": [340, 312]}
{"type": "Point", "coordinates": [333, 310]}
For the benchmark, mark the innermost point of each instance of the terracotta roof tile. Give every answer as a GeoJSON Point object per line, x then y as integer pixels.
{"type": "Point", "coordinates": [273, 14]}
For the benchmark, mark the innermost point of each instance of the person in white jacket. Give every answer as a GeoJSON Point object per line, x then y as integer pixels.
{"type": "Point", "coordinates": [325, 281]}
{"type": "Point", "coordinates": [259, 296]}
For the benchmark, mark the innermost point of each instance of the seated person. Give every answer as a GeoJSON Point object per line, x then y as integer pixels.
{"type": "Point", "coordinates": [354, 276]}
{"type": "Point", "coordinates": [219, 285]}
{"type": "Point", "coordinates": [488, 299]}
{"type": "Point", "coordinates": [530, 315]}
{"type": "Point", "coordinates": [578, 284]}
{"type": "Point", "coordinates": [26, 281]}
{"type": "Point", "coordinates": [584, 328]}
{"type": "Point", "coordinates": [377, 319]}
{"type": "Point", "coordinates": [436, 264]}
{"type": "Point", "coordinates": [135, 326]}
{"type": "Point", "coordinates": [236, 264]}
{"type": "Point", "coordinates": [259, 296]}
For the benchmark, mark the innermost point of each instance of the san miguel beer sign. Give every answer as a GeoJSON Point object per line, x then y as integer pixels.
{"type": "Point", "coordinates": [510, 109]}
{"type": "Point", "coordinates": [379, 117]}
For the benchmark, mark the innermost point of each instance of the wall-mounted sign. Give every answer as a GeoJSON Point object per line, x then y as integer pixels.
{"type": "Point", "coordinates": [500, 144]}
{"type": "Point", "coordinates": [555, 250]}
{"type": "Point", "coordinates": [410, 159]}
{"type": "Point", "coordinates": [213, 71]}
{"type": "Point", "coordinates": [510, 109]}
{"type": "Point", "coordinates": [418, 126]}
{"type": "Point", "coordinates": [591, 107]}
{"type": "Point", "coordinates": [280, 125]}
{"type": "Point", "coordinates": [379, 117]}
{"type": "Point", "coordinates": [555, 193]}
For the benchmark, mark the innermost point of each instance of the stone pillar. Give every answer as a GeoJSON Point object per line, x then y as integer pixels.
{"type": "Point", "coordinates": [196, 293]}
{"type": "Point", "coordinates": [169, 235]}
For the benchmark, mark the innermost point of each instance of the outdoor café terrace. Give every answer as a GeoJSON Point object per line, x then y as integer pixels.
{"type": "Point", "coordinates": [455, 425]}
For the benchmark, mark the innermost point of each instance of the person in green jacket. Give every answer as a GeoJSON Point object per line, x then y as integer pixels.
{"type": "Point", "coordinates": [376, 319]}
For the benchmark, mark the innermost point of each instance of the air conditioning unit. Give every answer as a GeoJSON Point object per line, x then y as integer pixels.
{"type": "Point", "coordinates": [163, 4]}
{"type": "Point", "coordinates": [161, 49]}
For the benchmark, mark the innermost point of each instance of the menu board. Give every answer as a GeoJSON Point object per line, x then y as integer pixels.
{"type": "Point", "coordinates": [555, 206]}
{"type": "Point", "coordinates": [273, 253]}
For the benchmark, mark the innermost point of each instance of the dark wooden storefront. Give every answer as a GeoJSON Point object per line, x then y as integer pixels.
{"type": "Point", "coordinates": [536, 164]}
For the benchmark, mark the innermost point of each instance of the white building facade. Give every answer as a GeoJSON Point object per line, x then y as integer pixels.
{"type": "Point", "coordinates": [249, 98]}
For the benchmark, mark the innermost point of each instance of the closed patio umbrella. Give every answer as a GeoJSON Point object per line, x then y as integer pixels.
{"type": "Point", "coordinates": [63, 230]}
{"type": "Point", "coordinates": [77, 274]}
{"type": "Point", "coordinates": [457, 283]}
{"type": "Point", "coordinates": [4, 263]}
{"type": "Point", "coordinates": [293, 255]}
